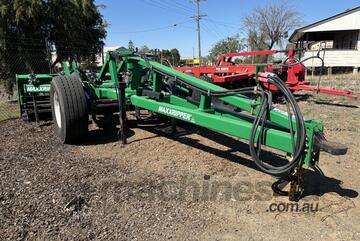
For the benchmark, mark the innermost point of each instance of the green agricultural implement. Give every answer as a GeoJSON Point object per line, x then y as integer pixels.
{"type": "Point", "coordinates": [130, 82]}
{"type": "Point", "coordinates": [34, 95]}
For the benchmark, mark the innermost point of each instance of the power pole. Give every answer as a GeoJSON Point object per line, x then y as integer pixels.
{"type": "Point", "coordinates": [198, 18]}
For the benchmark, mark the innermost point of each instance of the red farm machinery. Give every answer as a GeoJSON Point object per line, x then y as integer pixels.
{"type": "Point", "coordinates": [228, 74]}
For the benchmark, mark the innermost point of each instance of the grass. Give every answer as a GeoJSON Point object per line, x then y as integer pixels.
{"type": "Point", "coordinates": [9, 110]}
{"type": "Point", "coordinates": [337, 77]}
{"type": "Point", "coordinates": [338, 81]}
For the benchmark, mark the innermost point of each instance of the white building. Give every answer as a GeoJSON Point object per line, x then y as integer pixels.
{"type": "Point", "coordinates": [339, 34]}
{"type": "Point", "coordinates": [100, 56]}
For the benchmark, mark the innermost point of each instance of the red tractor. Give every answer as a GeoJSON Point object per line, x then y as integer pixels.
{"type": "Point", "coordinates": [227, 73]}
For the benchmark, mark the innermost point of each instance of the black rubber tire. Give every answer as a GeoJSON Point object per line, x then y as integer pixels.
{"type": "Point", "coordinates": [73, 108]}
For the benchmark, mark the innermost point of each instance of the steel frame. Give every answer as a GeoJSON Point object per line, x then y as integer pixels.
{"type": "Point", "coordinates": [129, 79]}
{"type": "Point", "coordinates": [224, 71]}
{"type": "Point", "coordinates": [237, 124]}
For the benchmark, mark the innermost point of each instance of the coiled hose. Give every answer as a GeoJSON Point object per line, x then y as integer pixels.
{"type": "Point", "coordinates": [261, 118]}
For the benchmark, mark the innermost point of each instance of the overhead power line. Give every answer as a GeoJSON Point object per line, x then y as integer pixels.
{"type": "Point", "coordinates": [161, 5]}
{"type": "Point", "coordinates": [177, 5]}
{"type": "Point", "coordinates": [220, 30]}
{"type": "Point", "coordinates": [170, 6]}
{"type": "Point", "coordinates": [155, 29]}
{"type": "Point", "coordinates": [234, 25]}
{"type": "Point", "coordinates": [211, 30]}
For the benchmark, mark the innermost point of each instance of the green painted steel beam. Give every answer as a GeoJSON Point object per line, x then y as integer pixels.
{"type": "Point", "coordinates": [241, 102]}
{"type": "Point", "coordinates": [42, 82]}
{"type": "Point", "coordinates": [239, 128]}
{"type": "Point", "coordinates": [203, 112]}
{"type": "Point", "coordinates": [141, 73]}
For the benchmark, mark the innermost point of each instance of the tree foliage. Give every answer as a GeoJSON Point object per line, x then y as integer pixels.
{"type": "Point", "coordinates": [28, 27]}
{"type": "Point", "coordinates": [76, 27]}
{"type": "Point", "coordinates": [170, 57]}
{"type": "Point", "coordinates": [232, 44]}
{"type": "Point", "coordinates": [167, 57]}
{"type": "Point", "coordinates": [269, 25]}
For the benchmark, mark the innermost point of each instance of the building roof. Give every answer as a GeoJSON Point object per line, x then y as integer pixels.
{"type": "Point", "coordinates": [110, 48]}
{"type": "Point", "coordinates": [348, 20]}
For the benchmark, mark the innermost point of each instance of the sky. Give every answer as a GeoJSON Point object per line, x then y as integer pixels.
{"type": "Point", "coordinates": [167, 24]}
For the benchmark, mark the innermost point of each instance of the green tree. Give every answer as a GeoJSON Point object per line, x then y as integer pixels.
{"type": "Point", "coordinates": [175, 57]}
{"type": "Point", "coordinates": [232, 44]}
{"type": "Point", "coordinates": [28, 28]}
{"type": "Point", "coordinates": [76, 28]}
{"type": "Point", "coordinates": [170, 57]}
{"type": "Point", "coordinates": [21, 39]}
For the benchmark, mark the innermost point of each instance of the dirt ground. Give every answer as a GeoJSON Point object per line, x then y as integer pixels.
{"type": "Point", "coordinates": [195, 185]}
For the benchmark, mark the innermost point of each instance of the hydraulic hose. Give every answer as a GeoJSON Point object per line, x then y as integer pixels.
{"type": "Point", "coordinates": [317, 56]}
{"type": "Point", "coordinates": [255, 140]}
{"type": "Point", "coordinates": [259, 124]}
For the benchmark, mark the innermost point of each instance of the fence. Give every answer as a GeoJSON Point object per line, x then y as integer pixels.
{"type": "Point", "coordinates": [25, 56]}
{"type": "Point", "coordinates": [9, 110]}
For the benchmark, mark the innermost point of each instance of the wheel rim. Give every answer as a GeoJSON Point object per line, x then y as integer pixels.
{"type": "Point", "coordinates": [57, 109]}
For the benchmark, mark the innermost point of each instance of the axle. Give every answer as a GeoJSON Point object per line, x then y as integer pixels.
{"type": "Point", "coordinates": [246, 113]}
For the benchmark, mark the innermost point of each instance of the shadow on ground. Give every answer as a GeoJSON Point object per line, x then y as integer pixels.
{"type": "Point", "coordinates": [315, 182]}
{"type": "Point", "coordinates": [318, 184]}
{"type": "Point", "coordinates": [311, 98]}
{"type": "Point", "coordinates": [321, 102]}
